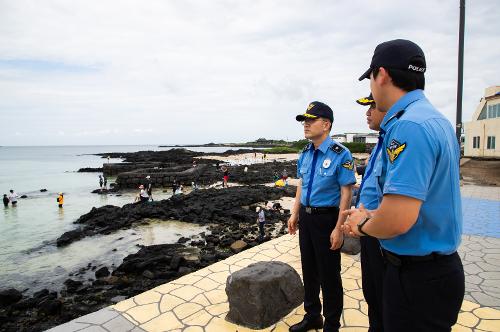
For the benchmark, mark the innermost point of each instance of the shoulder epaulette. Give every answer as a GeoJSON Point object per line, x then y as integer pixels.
{"type": "Point", "coordinates": [336, 148]}
{"type": "Point", "coordinates": [307, 147]}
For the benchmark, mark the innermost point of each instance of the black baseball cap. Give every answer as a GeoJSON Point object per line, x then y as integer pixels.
{"type": "Point", "coordinates": [366, 101]}
{"type": "Point", "coordinates": [315, 110]}
{"type": "Point", "coordinates": [397, 54]}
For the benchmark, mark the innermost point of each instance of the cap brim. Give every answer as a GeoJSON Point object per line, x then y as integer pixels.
{"type": "Point", "coordinates": [365, 101]}
{"type": "Point", "coordinates": [302, 117]}
{"type": "Point", "coordinates": [365, 75]}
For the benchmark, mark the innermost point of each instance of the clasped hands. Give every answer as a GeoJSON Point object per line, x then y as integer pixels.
{"type": "Point", "coordinates": [353, 217]}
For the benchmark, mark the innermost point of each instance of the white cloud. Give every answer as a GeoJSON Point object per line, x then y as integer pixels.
{"type": "Point", "coordinates": [218, 71]}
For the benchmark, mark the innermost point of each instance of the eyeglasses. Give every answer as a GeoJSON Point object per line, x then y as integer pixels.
{"type": "Point", "coordinates": [309, 121]}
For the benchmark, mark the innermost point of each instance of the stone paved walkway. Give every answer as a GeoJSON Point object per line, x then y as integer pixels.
{"type": "Point", "coordinates": [197, 302]}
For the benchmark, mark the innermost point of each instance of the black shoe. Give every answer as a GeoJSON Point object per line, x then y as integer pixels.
{"type": "Point", "coordinates": [307, 324]}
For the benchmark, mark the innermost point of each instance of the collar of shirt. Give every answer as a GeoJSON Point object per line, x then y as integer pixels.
{"type": "Point", "coordinates": [400, 105]}
{"type": "Point", "coordinates": [324, 146]}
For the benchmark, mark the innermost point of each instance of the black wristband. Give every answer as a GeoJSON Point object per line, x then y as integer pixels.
{"type": "Point", "coordinates": [361, 224]}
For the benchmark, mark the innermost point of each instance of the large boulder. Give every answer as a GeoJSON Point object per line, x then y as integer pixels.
{"type": "Point", "coordinates": [9, 296]}
{"type": "Point", "coordinates": [263, 293]}
{"type": "Point", "coordinates": [351, 246]}
{"type": "Point", "coordinates": [238, 246]}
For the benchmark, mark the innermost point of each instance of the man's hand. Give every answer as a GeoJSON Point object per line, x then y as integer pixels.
{"type": "Point", "coordinates": [354, 217]}
{"type": "Point", "coordinates": [336, 238]}
{"type": "Point", "coordinates": [292, 224]}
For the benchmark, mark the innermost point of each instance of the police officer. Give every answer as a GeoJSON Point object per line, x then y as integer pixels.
{"type": "Point", "coordinates": [419, 220]}
{"type": "Point", "coordinates": [325, 169]}
{"type": "Point", "coordinates": [372, 263]}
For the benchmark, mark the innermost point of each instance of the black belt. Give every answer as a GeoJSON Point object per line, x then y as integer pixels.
{"type": "Point", "coordinates": [319, 210]}
{"type": "Point", "coordinates": [400, 260]}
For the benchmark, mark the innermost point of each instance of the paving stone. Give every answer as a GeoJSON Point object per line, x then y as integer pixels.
{"type": "Point", "coordinates": [200, 318]}
{"type": "Point", "coordinates": [119, 323]}
{"type": "Point", "coordinates": [467, 319]}
{"type": "Point", "coordinates": [489, 325]}
{"type": "Point", "coordinates": [98, 317]}
{"type": "Point", "coordinates": [487, 313]}
{"type": "Point", "coordinates": [147, 297]}
{"type": "Point", "coordinates": [186, 309]}
{"type": "Point", "coordinates": [164, 322]}
{"type": "Point", "coordinates": [485, 299]}
{"type": "Point", "coordinates": [93, 329]}
{"type": "Point", "coordinates": [187, 292]}
{"type": "Point", "coordinates": [143, 313]}
{"type": "Point", "coordinates": [69, 327]}
{"type": "Point", "coordinates": [472, 269]}
{"type": "Point", "coordinates": [169, 302]}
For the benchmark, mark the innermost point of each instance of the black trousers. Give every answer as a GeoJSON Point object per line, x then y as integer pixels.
{"type": "Point", "coordinates": [372, 272]}
{"type": "Point", "coordinates": [320, 268]}
{"type": "Point", "coordinates": [423, 296]}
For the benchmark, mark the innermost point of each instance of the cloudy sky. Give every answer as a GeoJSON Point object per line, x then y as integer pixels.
{"type": "Point", "coordinates": [164, 72]}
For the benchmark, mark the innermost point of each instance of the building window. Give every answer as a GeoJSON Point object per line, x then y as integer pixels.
{"type": "Point", "coordinates": [482, 115]}
{"type": "Point", "coordinates": [491, 143]}
{"type": "Point", "coordinates": [493, 111]}
{"type": "Point", "coordinates": [475, 142]}
{"type": "Point", "coordinates": [358, 139]}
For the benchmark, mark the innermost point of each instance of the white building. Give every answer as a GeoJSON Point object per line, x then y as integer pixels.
{"type": "Point", "coordinates": [482, 131]}
{"type": "Point", "coordinates": [356, 138]}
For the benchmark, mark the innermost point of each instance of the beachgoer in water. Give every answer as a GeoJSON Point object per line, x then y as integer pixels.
{"type": "Point", "coordinates": [101, 182]}
{"type": "Point", "coordinates": [226, 176]}
{"type": "Point", "coordinates": [13, 197]}
{"type": "Point", "coordinates": [60, 200]}
{"type": "Point", "coordinates": [5, 200]}
{"type": "Point", "coordinates": [149, 187]}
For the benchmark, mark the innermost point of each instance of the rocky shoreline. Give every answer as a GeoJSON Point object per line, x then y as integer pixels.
{"type": "Point", "coordinates": [229, 212]}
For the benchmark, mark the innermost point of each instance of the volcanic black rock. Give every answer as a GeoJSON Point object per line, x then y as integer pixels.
{"type": "Point", "coordinates": [263, 293]}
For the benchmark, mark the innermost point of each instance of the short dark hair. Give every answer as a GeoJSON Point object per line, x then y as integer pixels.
{"type": "Point", "coordinates": [404, 79]}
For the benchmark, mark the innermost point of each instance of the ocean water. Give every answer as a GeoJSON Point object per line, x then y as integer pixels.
{"type": "Point", "coordinates": [29, 259]}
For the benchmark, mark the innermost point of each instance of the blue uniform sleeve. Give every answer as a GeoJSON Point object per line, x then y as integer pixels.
{"type": "Point", "coordinates": [410, 156]}
{"type": "Point", "coordinates": [346, 170]}
{"type": "Point", "coordinates": [299, 162]}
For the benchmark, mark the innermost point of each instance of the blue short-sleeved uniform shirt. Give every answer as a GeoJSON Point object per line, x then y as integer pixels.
{"type": "Point", "coordinates": [420, 159]}
{"type": "Point", "coordinates": [323, 171]}
{"type": "Point", "coordinates": [368, 194]}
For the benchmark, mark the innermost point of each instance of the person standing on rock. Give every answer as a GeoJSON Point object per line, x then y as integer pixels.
{"type": "Point", "coordinates": [225, 178]}
{"type": "Point", "coordinates": [143, 195]}
{"type": "Point", "coordinates": [261, 220]}
{"type": "Point", "coordinates": [149, 187]}
{"type": "Point", "coordinates": [326, 175]}
{"type": "Point", "coordinates": [105, 181]}
{"type": "Point", "coordinates": [174, 186]}
{"type": "Point", "coordinates": [101, 181]}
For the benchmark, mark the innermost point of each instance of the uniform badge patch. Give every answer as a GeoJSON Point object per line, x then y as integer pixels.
{"type": "Point", "coordinates": [348, 164]}
{"type": "Point", "coordinates": [326, 163]}
{"type": "Point", "coordinates": [336, 148]}
{"type": "Point", "coordinates": [394, 150]}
